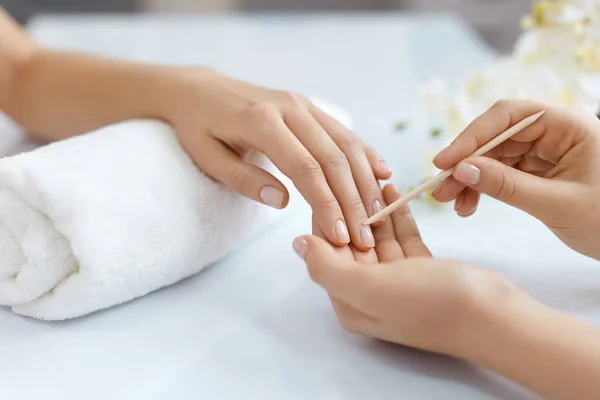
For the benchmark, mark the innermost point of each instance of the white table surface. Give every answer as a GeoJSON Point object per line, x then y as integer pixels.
{"type": "Point", "coordinates": [254, 326]}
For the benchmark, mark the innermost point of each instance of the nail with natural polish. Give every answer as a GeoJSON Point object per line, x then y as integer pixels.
{"type": "Point", "coordinates": [271, 196]}
{"type": "Point", "coordinates": [341, 231]}
{"type": "Point", "coordinates": [300, 246]}
{"type": "Point", "coordinates": [467, 173]}
{"type": "Point", "coordinates": [384, 167]}
{"type": "Point", "coordinates": [367, 236]}
{"type": "Point", "coordinates": [376, 207]}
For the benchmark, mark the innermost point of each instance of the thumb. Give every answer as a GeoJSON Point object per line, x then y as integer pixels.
{"type": "Point", "coordinates": [530, 193]}
{"type": "Point", "coordinates": [325, 266]}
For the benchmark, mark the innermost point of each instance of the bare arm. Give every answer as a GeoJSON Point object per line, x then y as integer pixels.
{"type": "Point", "coordinates": [553, 354]}
{"type": "Point", "coordinates": [60, 94]}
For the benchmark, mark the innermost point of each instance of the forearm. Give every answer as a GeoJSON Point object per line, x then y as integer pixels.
{"type": "Point", "coordinates": [550, 353]}
{"type": "Point", "coordinates": [59, 94]}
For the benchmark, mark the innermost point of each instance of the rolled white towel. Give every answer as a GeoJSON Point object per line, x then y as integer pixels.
{"type": "Point", "coordinates": [100, 219]}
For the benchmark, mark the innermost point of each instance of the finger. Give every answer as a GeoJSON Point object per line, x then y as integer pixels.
{"type": "Point", "coordinates": [221, 163]}
{"type": "Point", "coordinates": [537, 196]}
{"type": "Point", "coordinates": [288, 154]}
{"type": "Point", "coordinates": [386, 244]}
{"type": "Point", "coordinates": [346, 280]}
{"type": "Point", "coordinates": [467, 202]}
{"type": "Point", "coordinates": [343, 251]}
{"type": "Point", "coordinates": [510, 148]}
{"type": "Point", "coordinates": [380, 167]}
{"type": "Point", "coordinates": [509, 152]}
{"type": "Point", "coordinates": [447, 190]}
{"type": "Point", "coordinates": [338, 172]}
{"type": "Point", "coordinates": [407, 232]}
{"type": "Point", "coordinates": [350, 318]}
{"type": "Point", "coordinates": [505, 114]}
{"type": "Point", "coordinates": [361, 168]}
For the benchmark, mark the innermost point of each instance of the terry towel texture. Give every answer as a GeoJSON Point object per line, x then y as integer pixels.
{"type": "Point", "coordinates": [100, 219]}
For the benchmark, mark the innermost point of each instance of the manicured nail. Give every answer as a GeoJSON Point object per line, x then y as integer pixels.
{"type": "Point", "coordinates": [341, 231]}
{"type": "Point", "coordinates": [271, 196]}
{"type": "Point", "coordinates": [367, 236]}
{"type": "Point", "coordinates": [376, 207]}
{"type": "Point", "coordinates": [458, 203]}
{"type": "Point", "coordinates": [467, 173]}
{"type": "Point", "coordinates": [384, 167]}
{"type": "Point", "coordinates": [440, 155]}
{"type": "Point", "coordinates": [300, 246]}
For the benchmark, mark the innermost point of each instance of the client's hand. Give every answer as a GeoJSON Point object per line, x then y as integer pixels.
{"type": "Point", "coordinates": [220, 119]}
{"type": "Point", "coordinates": [550, 170]}
{"type": "Point", "coordinates": [397, 291]}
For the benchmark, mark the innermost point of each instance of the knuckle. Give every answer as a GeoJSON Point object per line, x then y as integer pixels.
{"type": "Point", "coordinates": [356, 203]}
{"type": "Point", "coordinates": [308, 167]}
{"type": "Point", "coordinates": [261, 113]}
{"type": "Point", "coordinates": [505, 189]}
{"type": "Point", "coordinates": [329, 203]}
{"type": "Point", "coordinates": [338, 161]}
{"type": "Point", "coordinates": [501, 104]}
{"type": "Point", "coordinates": [349, 140]}
{"type": "Point", "coordinates": [292, 99]}
{"type": "Point", "coordinates": [371, 182]}
{"type": "Point", "coordinates": [238, 180]}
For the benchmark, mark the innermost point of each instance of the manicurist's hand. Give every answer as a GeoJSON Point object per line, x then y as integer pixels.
{"type": "Point", "coordinates": [550, 170]}
{"type": "Point", "coordinates": [399, 293]}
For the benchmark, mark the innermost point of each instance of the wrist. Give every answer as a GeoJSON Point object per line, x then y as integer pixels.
{"type": "Point", "coordinates": [482, 298]}
{"type": "Point", "coordinates": [550, 353]}
{"type": "Point", "coordinates": [180, 92]}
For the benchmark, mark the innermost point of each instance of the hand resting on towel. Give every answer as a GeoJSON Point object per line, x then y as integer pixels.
{"type": "Point", "coordinates": [218, 120]}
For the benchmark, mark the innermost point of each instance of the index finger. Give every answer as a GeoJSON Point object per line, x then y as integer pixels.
{"type": "Point", "coordinates": [501, 116]}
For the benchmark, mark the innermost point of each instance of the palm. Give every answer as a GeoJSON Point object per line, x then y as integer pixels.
{"type": "Point", "coordinates": [397, 237]}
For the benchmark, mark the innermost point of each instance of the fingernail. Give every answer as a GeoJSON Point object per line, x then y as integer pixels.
{"type": "Point", "coordinates": [384, 167]}
{"type": "Point", "coordinates": [376, 207]}
{"type": "Point", "coordinates": [367, 236]}
{"type": "Point", "coordinates": [300, 246]}
{"type": "Point", "coordinates": [458, 203]}
{"type": "Point", "coordinates": [436, 190]}
{"type": "Point", "coordinates": [467, 173]}
{"type": "Point", "coordinates": [441, 154]}
{"type": "Point", "coordinates": [271, 196]}
{"type": "Point", "coordinates": [341, 231]}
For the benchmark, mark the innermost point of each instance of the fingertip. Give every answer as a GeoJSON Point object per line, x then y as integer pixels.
{"type": "Point", "coordinates": [442, 159]}
{"type": "Point", "coordinates": [382, 171]}
{"type": "Point", "coordinates": [300, 246]}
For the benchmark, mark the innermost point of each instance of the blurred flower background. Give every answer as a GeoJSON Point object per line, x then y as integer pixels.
{"type": "Point", "coordinates": [496, 20]}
